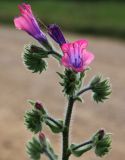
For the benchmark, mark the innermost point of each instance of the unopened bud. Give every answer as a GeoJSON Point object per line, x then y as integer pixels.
{"type": "Point", "coordinates": [101, 133]}
{"type": "Point", "coordinates": [102, 143]}
{"type": "Point", "coordinates": [41, 136]}
{"type": "Point", "coordinates": [38, 105]}
{"type": "Point", "coordinates": [42, 139]}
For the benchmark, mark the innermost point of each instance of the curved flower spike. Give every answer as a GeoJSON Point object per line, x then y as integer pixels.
{"type": "Point", "coordinates": [76, 56]}
{"type": "Point", "coordinates": [28, 23]}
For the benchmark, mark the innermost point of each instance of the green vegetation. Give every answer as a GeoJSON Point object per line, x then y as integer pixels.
{"type": "Point", "coordinates": [100, 18]}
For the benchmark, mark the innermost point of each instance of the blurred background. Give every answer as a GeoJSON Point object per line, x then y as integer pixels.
{"type": "Point", "coordinates": [102, 22]}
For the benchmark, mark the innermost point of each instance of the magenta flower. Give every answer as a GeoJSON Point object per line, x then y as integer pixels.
{"type": "Point", "coordinates": [56, 34]}
{"type": "Point", "coordinates": [28, 23]}
{"type": "Point", "coordinates": [76, 56]}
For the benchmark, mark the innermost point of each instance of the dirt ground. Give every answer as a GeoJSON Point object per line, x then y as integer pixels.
{"type": "Point", "coordinates": [17, 85]}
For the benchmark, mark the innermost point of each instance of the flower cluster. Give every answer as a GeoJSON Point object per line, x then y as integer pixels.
{"type": "Point", "coordinates": [75, 55]}
{"type": "Point", "coordinates": [75, 58]}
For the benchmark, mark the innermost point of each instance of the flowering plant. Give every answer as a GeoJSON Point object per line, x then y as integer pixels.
{"type": "Point", "coordinates": [75, 58]}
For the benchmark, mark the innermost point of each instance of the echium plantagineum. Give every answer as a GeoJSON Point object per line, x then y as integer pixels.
{"type": "Point", "coordinates": [75, 59]}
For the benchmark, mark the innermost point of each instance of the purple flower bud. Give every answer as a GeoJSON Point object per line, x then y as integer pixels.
{"type": "Point", "coordinates": [101, 133]}
{"type": "Point", "coordinates": [38, 105]}
{"type": "Point", "coordinates": [42, 139]}
{"type": "Point", "coordinates": [41, 136]}
{"type": "Point", "coordinates": [56, 34]}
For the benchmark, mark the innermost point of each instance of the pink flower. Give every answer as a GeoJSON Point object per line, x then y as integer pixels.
{"type": "Point", "coordinates": [76, 56]}
{"type": "Point", "coordinates": [28, 23]}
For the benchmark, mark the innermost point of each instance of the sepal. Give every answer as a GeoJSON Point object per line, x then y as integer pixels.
{"type": "Point", "coordinates": [101, 88]}
{"type": "Point", "coordinates": [71, 81]}
{"type": "Point", "coordinates": [33, 120]}
{"type": "Point", "coordinates": [34, 149]}
{"type": "Point", "coordinates": [34, 58]}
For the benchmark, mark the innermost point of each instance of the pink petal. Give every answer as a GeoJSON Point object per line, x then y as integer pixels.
{"type": "Point", "coordinates": [65, 47]}
{"type": "Point", "coordinates": [82, 43]}
{"type": "Point", "coordinates": [88, 57]}
{"type": "Point", "coordinates": [25, 9]}
{"type": "Point", "coordinates": [65, 60]}
{"type": "Point", "coordinates": [78, 69]}
{"type": "Point", "coordinates": [21, 24]}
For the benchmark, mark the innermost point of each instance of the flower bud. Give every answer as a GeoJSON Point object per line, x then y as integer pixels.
{"type": "Point", "coordinates": [71, 81]}
{"type": "Point", "coordinates": [101, 88]}
{"type": "Point", "coordinates": [102, 143]}
{"type": "Point", "coordinates": [38, 105]}
{"type": "Point", "coordinates": [101, 133]}
{"type": "Point", "coordinates": [34, 149]}
{"type": "Point", "coordinates": [56, 34]}
{"type": "Point", "coordinates": [33, 120]}
{"type": "Point", "coordinates": [42, 138]}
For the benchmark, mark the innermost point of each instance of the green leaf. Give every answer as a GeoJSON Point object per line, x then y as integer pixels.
{"type": "Point", "coordinates": [101, 88]}
{"type": "Point", "coordinates": [79, 151]}
{"type": "Point", "coordinates": [71, 81]}
{"type": "Point", "coordinates": [34, 149]}
{"type": "Point", "coordinates": [55, 127]}
{"type": "Point", "coordinates": [34, 59]}
{"type": "Point", "coordinates": [32, 102]}
{"type": "Point", "coordinates": [33, 120]}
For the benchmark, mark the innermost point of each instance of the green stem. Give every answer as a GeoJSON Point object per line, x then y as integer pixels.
{"type": "Point", "coordinates": [82, 91]}
{"type": "Point", "coordinates": [55, 55]}
{"type": "Point", "coordinates": [65, 155]}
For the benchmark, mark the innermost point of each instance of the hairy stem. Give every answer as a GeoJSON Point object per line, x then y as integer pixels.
{"type": "Point", "coordinates": [82, 91]}
{"type": "Point", "coordinates": [55, 55]}
{"type": "Point", "coordinates": [65, 138]}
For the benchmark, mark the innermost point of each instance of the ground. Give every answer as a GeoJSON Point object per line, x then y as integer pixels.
{"type": "Point", "coordinates": [18, 84]}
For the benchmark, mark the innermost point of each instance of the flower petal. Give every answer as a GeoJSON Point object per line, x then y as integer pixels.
{"type": "Point", "coordinates": [65, 47]}
{"type": "Point", "coordinates": [21, 23]}
{"type": "Point", "coordinates": [88, 57]}
{"type": "Point", "coordinates": [82, 43]}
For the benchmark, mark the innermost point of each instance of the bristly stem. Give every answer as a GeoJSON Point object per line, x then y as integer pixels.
{"type": "Point", "coordinates": [82, 91]}
{"type": "Point", "coordinates": [65, 138]}
{"type": "Point", "coordinates": [55, 55]}
{"type": "Point", "coordinates": [65, 134]}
